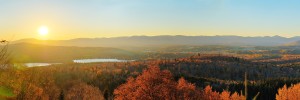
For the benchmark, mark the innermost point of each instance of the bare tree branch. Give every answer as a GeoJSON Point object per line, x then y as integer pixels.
{"type": "Point", "coordinates": [4, 55]}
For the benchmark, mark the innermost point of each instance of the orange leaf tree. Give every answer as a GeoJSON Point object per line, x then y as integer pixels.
{"type": "Point", "coordinates": [291, 93]}
{"type": "Point", "coordinates": [154, 84]}
{"type": "Point", "coordinates": [83, 91]}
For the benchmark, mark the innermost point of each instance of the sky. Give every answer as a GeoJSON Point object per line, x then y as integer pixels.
{"type": "Point", "coordinates": [68, 19]}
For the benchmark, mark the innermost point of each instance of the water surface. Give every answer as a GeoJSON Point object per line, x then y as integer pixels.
{"type": "Point", "coordinates": [99, 60]}
{"type": "Point", "coordinates": [39, 64]}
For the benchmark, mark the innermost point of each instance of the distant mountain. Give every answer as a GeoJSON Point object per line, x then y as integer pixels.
{"type": "Point", "coordinates": [295, 43]}
{"type": "Point", "coordinates": [151, 41]}
{"type": "Point", "coordinates": [26, 52]}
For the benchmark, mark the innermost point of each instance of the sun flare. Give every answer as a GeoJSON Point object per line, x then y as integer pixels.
{"type": "Point", "coordinates": [43, 30]}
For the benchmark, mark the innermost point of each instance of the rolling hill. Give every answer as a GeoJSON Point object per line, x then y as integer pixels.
{"type": "Point", "coordinates": [26, 52]}
{"type": "Point", "coordinates": [295, 43]}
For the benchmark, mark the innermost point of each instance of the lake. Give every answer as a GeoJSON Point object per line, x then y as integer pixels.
{"type": "Point", "coordinates": [77, 61]}
{"type": "Point", "coordinates": [99, 60]}
{"type": "Point", "coordinates": [39, 64]}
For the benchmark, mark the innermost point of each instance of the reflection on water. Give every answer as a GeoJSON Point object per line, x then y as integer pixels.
{"type": "Point", "coordinates": [39, 64]}
{"type": "Point", "coordinates": [76, 61]}
{"type": "Point", "coordinates": [99, 60]}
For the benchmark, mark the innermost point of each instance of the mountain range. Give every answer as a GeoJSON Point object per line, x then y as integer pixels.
{"type": "Point", "coordinates": [166, 40]}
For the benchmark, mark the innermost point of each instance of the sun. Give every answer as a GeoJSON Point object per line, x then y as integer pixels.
{"type": "Point", "coordinates": [43, 30]}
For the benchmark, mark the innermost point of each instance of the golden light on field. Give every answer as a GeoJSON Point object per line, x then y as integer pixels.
{"type": "Point", "coordinates": [43, 30]}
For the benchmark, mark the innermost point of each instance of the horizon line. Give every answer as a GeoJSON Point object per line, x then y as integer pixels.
{"type": "Point", "coordinates": [161, 35]}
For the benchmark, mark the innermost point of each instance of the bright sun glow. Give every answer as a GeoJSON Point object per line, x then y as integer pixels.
{"type": "Point", "coordinates": [43, 30]}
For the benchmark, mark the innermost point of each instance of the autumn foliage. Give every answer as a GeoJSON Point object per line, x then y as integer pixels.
{"type": "Point", "coordinates": [291, 93]}
{"type": "Point", "coordinates": [135, 80]}
{"type": "Point", "coordinates": [154, 84]}
{"type": "Point", "coordinates": [83, 91]}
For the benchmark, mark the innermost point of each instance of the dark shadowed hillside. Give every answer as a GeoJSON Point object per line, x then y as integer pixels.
{"type": "Point", "coordinates": [25, 52]}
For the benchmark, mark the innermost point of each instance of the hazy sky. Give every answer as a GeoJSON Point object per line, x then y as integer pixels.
{"type": "Point", "coordinates": [67, 19]}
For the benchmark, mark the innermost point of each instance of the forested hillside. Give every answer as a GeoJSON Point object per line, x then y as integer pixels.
{"type": "Point", "coordinates": [25, 52]}
{"type": "Point", "coordinates": [201, 75]}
